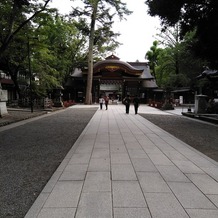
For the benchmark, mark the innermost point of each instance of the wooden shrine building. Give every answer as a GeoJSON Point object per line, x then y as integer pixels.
{"type": "Point", "coordinates": [114, 78]}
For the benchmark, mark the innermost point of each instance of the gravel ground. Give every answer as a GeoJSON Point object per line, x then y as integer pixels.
{"type": "Point", "coordinates": [15, 115]}
{"type": "Point", "coordinates": [30, 154]}
{"type": "Point", "coordinates": [200, 135]}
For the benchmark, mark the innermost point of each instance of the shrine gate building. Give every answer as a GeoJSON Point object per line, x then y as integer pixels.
{"type": "Point", "coordinates": [114, 78]}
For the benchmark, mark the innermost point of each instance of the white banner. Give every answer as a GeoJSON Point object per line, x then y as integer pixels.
{"type": "Point", "coordinates": [109, 87]}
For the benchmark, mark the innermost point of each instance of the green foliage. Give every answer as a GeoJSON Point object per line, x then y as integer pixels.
{"type": "Point", "coordinates": [199, 16]}
{"type": "Point", "coordinates": [59, 52]}
{"type": "Point", "coordinates": [152, 56]}
{"type": "Point", "coordinates": [57, 44]}
{"type": "Point", "coordinates": [176, 64]}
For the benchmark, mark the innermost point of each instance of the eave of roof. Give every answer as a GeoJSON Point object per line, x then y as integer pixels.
{"type": "Point", "coordinates": [117, 64]}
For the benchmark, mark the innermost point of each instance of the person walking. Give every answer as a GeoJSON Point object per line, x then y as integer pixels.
{"type": "Point", "coordinates": [136, 104]}
{"type": "Point", "coordinates": [127, 102]}
{"type": "Point", "coordinates": [101, 101]}
{"type": "Point", "coordinates": [106, 100]}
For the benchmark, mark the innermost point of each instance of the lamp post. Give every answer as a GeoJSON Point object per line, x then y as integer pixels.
{"type": "Point", "coordinates": [30, 71]}
{"type": "Point", "coordinates": [30, 74]}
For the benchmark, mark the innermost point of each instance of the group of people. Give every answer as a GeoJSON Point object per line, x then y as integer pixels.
{"type": "Point", "coordinates": [105, 101]}
{"type": "Point", "coordinates": [126, 101]}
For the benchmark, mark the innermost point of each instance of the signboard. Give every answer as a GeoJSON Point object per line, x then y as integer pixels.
{"type": "Point", "coordinates": [109, 87]}
{"type": "Point", "coordinates": [112, 68]}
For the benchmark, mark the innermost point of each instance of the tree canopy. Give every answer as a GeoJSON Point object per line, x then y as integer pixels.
{"type": "Point", "coordinates": [175, 65]}
{"type": "Point", "coordinates": [57, 43]}
{"type": "Point", "coordinates": [100, 14]}
{"type": "Point", "coordinates": [200, 16]}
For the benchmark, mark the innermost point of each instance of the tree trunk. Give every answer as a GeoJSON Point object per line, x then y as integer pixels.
{"type": "Point", "coordinates": [88, 99]}
{"type": "Point", "coordinates": [16, 85]}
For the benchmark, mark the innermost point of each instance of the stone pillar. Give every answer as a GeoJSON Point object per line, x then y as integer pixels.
{"type": "Point", "coordinates": [3, 100]}
{"type": "Point", "coordinates": [57, 98]}
{"type": "Point", "coordinates": [200, 104]}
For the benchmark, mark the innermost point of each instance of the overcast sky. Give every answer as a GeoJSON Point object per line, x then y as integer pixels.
{"type": "Point", "coordinates": [137, 32]}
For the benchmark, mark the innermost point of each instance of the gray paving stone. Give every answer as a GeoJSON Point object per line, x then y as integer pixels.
{"type": "Point", "coordinates": [81, 158]}
{"type": "Point", "coordinates": [161, 144]}
{"type": "Point", "coordinates": [152, 149]}
{"type": "Point", "coordinates": [101, 145]}
{"type": "Point", "coordinates": [74, 172]}
{"type": "Point", "coordinates": [124, 129]}
{"type": "Point", "coordinates": [84, 149]}
{"type": "Point", "coordinates": [100, 153]}
{"type": "Point", "coordinates": [115, 138]}
{"type": "Point", "coordinates": [51, 183]}
{"type": "Point", "coordinates": [186, 151]}
{"type": "Point", "coordinates": [133, 145]}
{"type": "Point", "coordinates": [95, 205]}
{"type": "Point", "coordinates": [131, 213]}
{"type": "Point", "coordinates": [118, 148]}
{"type": "Point", "coordinates": [92, 131]}
{"type": "Point", "coordinates": [57, 213]}
{"type": "Point", "coordinates": [174, 142]}
{"type": "Point", "coordinates": [63, 164]}
{"type": "Point", "coordinates": [164, 146]}
{"type": "Point", "coordinates": [165, 205]}
{"type": "Point", "coordinates": [87, 141]}
{"type": "Point", "coordinates": [127, 194]}
{"type": "Point", "coordinates": [212, 171]}
{"type": "Point", "coordinates": [190, 196]}
{"type": "Point", "coordinates": [65, 194]}
{"type": "Point", "coordinates": [128, 137]}
{"type": "Point", "coordinates": [152, 136]}
{"type": "Point", "coordinates": [174, 155]}
{"type": "Point", "coordinates": [143, 165]}
{"type": "Point", "coordinates": [205, 183]}
{"type": "Point", "coordinates": [123, 172]}
{"type": "Point", "coordinates": [120, 158]}
{"type": "Point", "coordinates": [99, 164]}
{"type": "Point", "coordinates": [103, 129]}
{"type": "Point", "coordinates": [137, 153]}
{"type": "Point", "coordinates": [214, 199]}
{"type": "Point", "coordinates": [199, 213]}
{"type": "Point", "coordinates": [103, 138]}
{"type": "Point", "coordinates": [172, 174]}
{"type": "Point", "coordinates": [146, 142]}
{"type": "Point", "coordinates": [187, 166]}
{"type": "Point", "coordinates": [201, 161]}
{"type": "Point", "coordinates": [139, 135]}
{"type": "Point", "coordinates": [97, 181]}
{"type": "Point", "coordinates": [160, 159]}
{"type": "Point", "coordinates": [152, 182]}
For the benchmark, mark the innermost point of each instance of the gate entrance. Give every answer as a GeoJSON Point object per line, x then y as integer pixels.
{"type": "Point", "coordinates": [111, 88]}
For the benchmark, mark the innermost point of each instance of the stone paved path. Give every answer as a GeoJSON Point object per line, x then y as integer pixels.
{"type": "Point", "coordinates": [123, 166]}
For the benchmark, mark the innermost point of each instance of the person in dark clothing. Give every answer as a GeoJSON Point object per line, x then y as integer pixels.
{"type": "Point", "coordinates": [136, 104]}
{"type": "Point", "coordinates": [106, 100]}
{"type": "Point", "coordinates": [127, 102]}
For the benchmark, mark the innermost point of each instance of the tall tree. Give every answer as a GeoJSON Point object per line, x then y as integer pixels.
{"type": "Point", "coordinates": [152, 56]}
{"type": "Point", "coordinates": [102, 13]}
{"type": "Point", "coordinates": [201, 16]}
